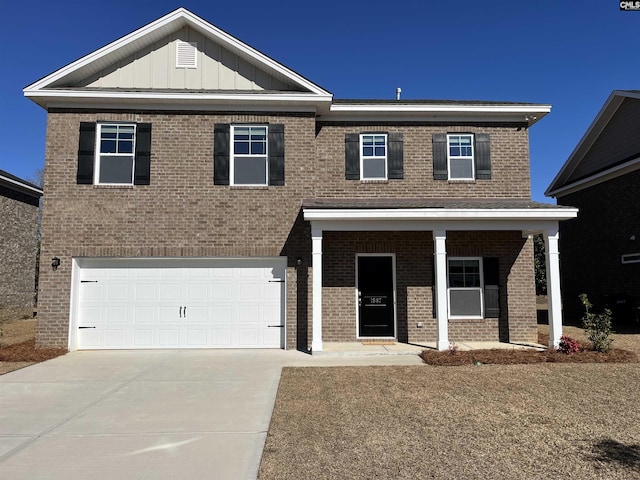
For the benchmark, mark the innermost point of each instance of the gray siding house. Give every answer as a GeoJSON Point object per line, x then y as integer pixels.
{"type": "Point", "coordinates": [601, 248]}
{"type": "Point", "coordinates": [19, 201]}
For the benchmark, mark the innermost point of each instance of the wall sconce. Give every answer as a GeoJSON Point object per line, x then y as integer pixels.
{"type": "Point", "coordinates": [55, 263]}
{"type": "Point", "coordinates": [299, 261]}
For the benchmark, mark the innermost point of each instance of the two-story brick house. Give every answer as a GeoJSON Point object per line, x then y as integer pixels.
{"type": "Point", "coordinates": [200, 194]}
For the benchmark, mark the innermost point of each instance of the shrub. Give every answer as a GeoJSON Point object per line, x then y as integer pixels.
{"type": "Point", "coordinates": [597, 326]}
{"type": "Point", "coordinates": [568, 345]}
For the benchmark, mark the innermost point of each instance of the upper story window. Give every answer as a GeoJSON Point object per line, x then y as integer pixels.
{"type": "Point", "coordinates": [249, 159]}
{"type": "Point", "coordinates": [250, 155]}
{"type": "Point", "coordinates": [115, 154]}
{"type": "Point", "coordinates": [460, 157]}
{"type": "Point", "coordinates": [373, 157]}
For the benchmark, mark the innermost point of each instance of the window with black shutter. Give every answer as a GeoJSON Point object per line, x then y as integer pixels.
{"type": "Point", "coordinates": [114, 153]}
{"type": "Point", "coordinates": [374, 156]}
{"type": "Point", "coordinates": [250, 155]}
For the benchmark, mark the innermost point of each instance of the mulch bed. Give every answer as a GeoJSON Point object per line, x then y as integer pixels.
{"type": "Point", "coordinates": [28, 352]}
{"type": "Point", "coordinates": [512, 357]}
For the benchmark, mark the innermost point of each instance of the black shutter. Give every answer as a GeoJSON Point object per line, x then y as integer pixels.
{"type": "Point", "coordinates": [221, 139]}
{"type": "Point", "coordinates": [491, 287]}
{"type": "Point", "coordinates": [352, 156]}
{"type": "Point", "coordinates": [440, 170]}
{"type": "Point", "coordinates": [142, 168]}
{"type": "Point", "coordinates": [86, 153]}
{"type": "Point", "coordinates": [483, 156]}
{"type": "Point", "coordinates": [276, 154]}
{"type": "Point", "coordinates": [396, 169]}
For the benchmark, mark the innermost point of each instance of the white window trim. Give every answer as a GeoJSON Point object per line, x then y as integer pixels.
{"type": "Point", "coordinates": [395, 303]}
{"type": "Point", "coordinates": [232, 156]}
{"type": "Point", "coordinates": [98, 153]}
{"type": "Point", "coordinates": [374, 157]}
{"type": "Point", "coordinates": [180, 45]}
{"type": "Point", "coordinates": [480, 289]}
{"type": "Point", "coordinates": [472, 157]}
{"type": "Point", "coordinates": [630, 258]}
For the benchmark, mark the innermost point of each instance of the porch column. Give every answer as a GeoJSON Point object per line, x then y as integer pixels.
{"type": "Point", "coordinates": [553, 287]}
{"type": "Point", "coordinates": [316, 264]}
{"type": "Point", "coordinates": [440, 266]}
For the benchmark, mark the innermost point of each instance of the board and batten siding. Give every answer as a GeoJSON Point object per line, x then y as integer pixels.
{"type": "Point", "coordinates": [155, 67]}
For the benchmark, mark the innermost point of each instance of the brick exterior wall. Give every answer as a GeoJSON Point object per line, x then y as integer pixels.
{"type": "Point", "coordinates": [18, 245]}
{"type": "Point", "coordinates": [509, 164]}
{"type": "Point", "coordinates": [414, 284]}
{"type": "Point", "coordinates": [182, 214]}
{"type": "Point", "coordinates": [591, 247]}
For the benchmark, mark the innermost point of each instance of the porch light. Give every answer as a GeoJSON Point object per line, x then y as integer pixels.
{"type": "Point", "coordinates": [299, 261]}
{"type": "Point", "coordinates": [55, 263]}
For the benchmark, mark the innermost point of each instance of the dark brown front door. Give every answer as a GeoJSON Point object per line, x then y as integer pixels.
{"type": "Point", "coordinates": [375, 296]}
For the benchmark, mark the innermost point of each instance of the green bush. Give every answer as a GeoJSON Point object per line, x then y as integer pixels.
{"type": "Point", "coordinates": [597, 326]}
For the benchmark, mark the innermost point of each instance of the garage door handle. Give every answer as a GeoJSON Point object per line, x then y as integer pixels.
{"type": "Point", "coordinates": [275, 326]}
{"type": "Point", "coordinates": [276, 281]}
{"type": "Point", "coordinates": [86, 327]}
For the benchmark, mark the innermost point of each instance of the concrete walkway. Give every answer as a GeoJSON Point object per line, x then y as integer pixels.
{"type": "Point", "coordinates": [172, 414]}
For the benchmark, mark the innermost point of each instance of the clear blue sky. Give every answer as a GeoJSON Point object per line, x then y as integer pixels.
{"type": "Point", "coordinates": [570, 54]}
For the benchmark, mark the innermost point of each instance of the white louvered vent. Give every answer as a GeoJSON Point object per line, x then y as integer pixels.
{"type": "Point", "coordinates": [186, 54]}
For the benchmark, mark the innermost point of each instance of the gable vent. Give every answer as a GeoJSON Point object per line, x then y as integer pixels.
{"type": "Point", "coordinates": [186, 54]}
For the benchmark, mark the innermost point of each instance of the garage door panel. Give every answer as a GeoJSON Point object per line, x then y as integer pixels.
{"type": "Point", "coordinates": [178, 303]}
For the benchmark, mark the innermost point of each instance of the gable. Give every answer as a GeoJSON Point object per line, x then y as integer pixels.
{"type": "Point", "coordinates": [139, 71]}
{"type": "Point", "coordinates": [609, 148]}
{"type": "Point", "coordinates": [216, 68]}
{"type": "Point", "coordinates": [618, 141]}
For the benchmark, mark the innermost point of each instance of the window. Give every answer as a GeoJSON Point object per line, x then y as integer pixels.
{"type": "Point", "coordinates": [631, 258]}
{"type": "Point", "coordinates": [465, 287]}
{"type": "Point", "coordinates": [460, 157]}
{"type": "Point", "coordinates": [373, 156]}
{"type": "Point", "coordinates": [249, 165]}
{"type": "Point", "coordinates": [115, 154]}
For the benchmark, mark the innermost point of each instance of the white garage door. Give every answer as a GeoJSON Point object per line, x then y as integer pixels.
{"type": "Point", "coordinates": [180, 303]}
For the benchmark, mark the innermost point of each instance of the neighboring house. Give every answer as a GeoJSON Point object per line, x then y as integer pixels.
{"type": "Point", "coordinates": [601, 248]}
{"type": "Point", "coordinates": [19, 202]}
{"type": "Point", "coordinates": [201, 194]}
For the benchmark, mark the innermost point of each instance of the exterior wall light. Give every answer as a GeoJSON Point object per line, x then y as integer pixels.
{"type": "Point", "coordinates": [55, 263]}
{"type": "Point", "coordinates": [299, 261]}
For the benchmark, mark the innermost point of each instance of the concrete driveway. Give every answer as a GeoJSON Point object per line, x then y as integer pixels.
{"type": "Point", "coordinates": [146, 414]}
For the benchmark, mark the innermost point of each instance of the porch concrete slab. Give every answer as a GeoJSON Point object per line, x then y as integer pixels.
{"type": "Point", "coordinates": [9, 443]}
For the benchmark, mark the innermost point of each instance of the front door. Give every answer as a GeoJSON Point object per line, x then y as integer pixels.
{"type": "Point", "coordinates": [376, 296]}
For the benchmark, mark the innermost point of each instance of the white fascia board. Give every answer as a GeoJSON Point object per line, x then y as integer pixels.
{"type": "Point", "coordinates": [21, 186]}
{"type": "Point", "coordinates": [528, 227]}
{"type": "Point", "coordinates": [516, 113]}
{"type": "Point", "coordinates": [440, 214]}
{"type": "Point", "coordinates": [181, 16]}
{"type": "Point", "coordinates": [592, 180]}
{"type": "Point", "coordinates": [173, 100]}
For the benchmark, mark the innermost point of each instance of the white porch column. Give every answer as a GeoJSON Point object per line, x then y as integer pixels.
{"type": "Point", "coordinates": [440, 265]}
{"type": "Point", "coordinates": [553, 287]}
{"type": "Point", "coordinates": [316, 264]}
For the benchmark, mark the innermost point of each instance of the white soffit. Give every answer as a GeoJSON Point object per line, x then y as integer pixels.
{"type": "Point", "coordinates": [151, 33]}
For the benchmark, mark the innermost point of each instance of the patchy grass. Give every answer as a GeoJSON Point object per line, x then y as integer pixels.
{"type": "Point", "coordinates": [495, 421]}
